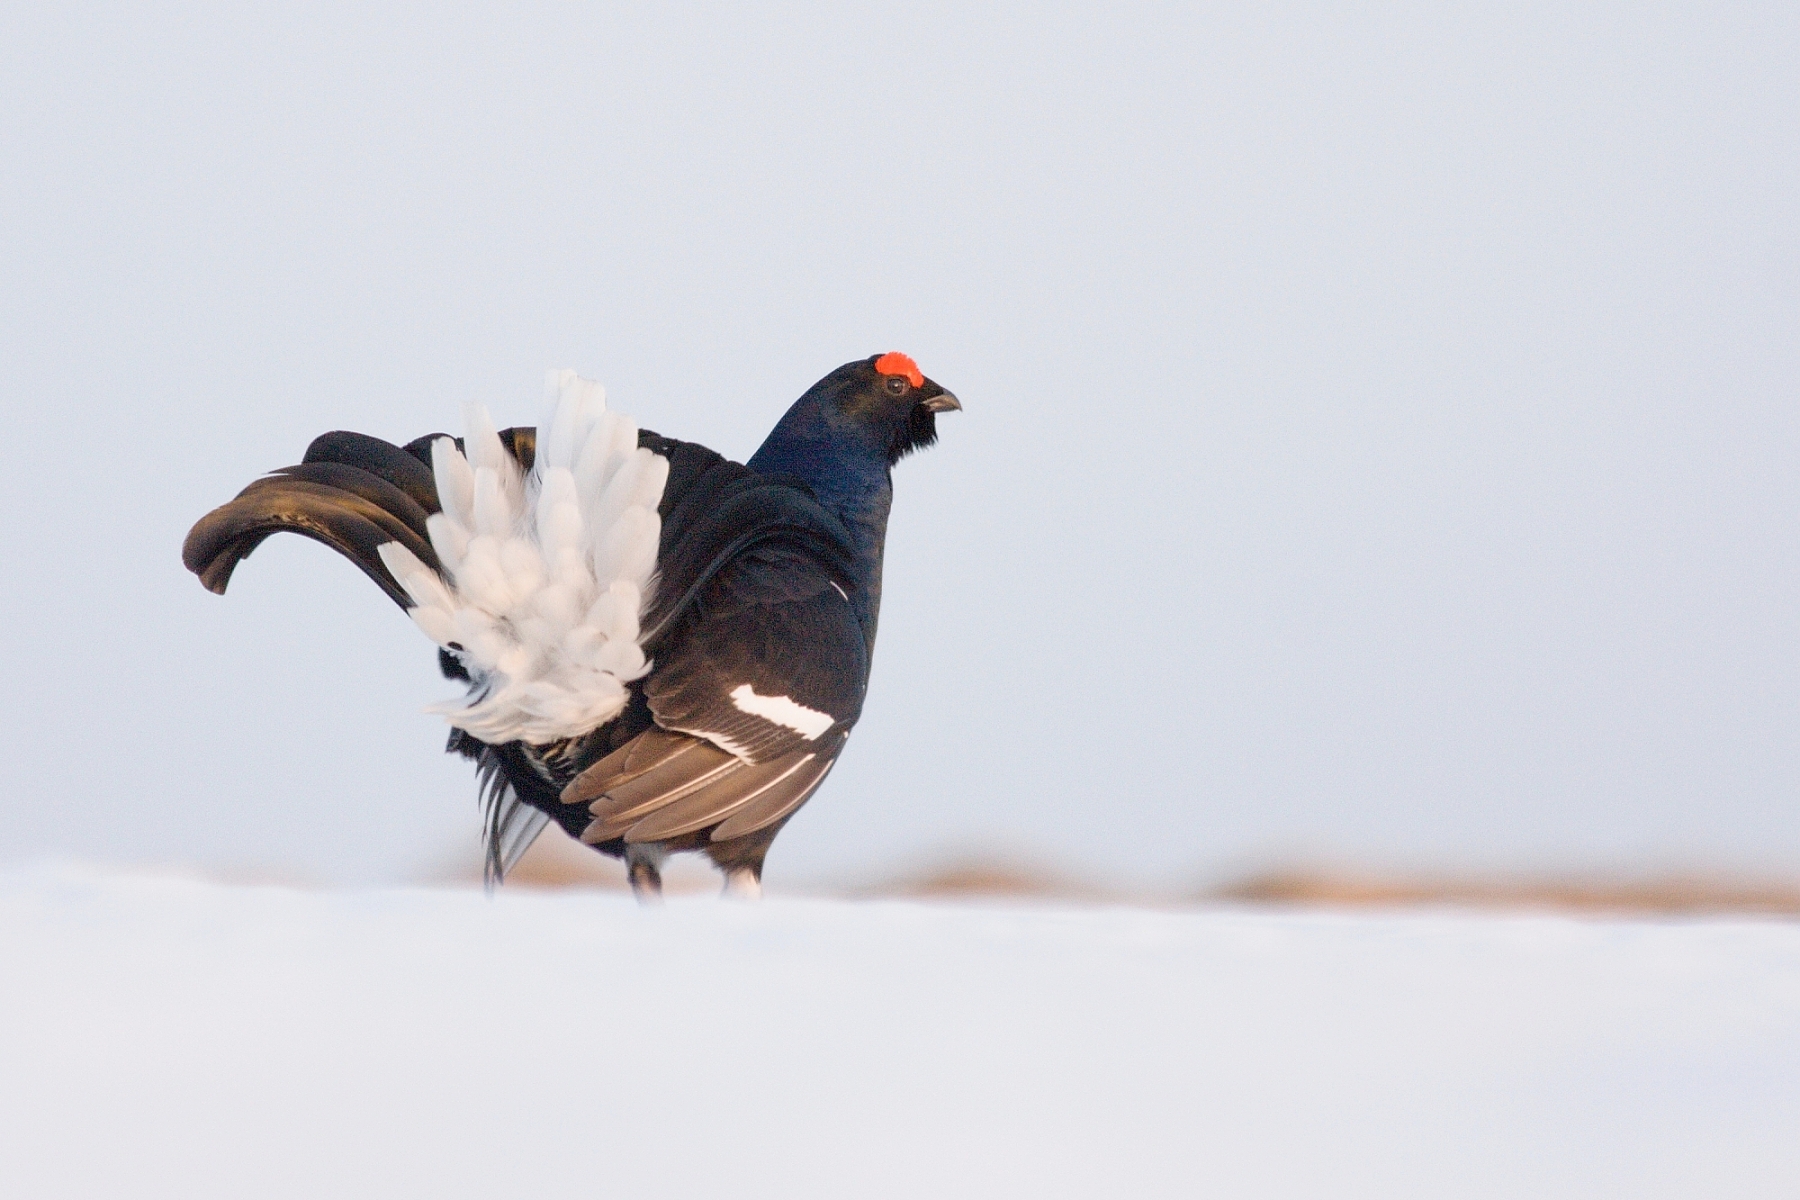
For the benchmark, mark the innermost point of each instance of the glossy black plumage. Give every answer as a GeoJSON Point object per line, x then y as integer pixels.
{"type": "Point", "coordinates": [761, 627]}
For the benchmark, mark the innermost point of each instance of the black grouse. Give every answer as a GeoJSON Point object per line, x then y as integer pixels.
{"type": "Point", "coordinates": [664, 650]}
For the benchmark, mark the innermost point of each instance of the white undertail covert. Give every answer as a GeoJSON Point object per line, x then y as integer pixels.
{"type": "Point", "coordinates": [546, 572]}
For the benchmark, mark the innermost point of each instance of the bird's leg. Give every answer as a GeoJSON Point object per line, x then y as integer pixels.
{"type": "Point", "coordinates": [740, 860]}
{"type": "Point", "coordinates": [643, 866]}
{"type": "Point", "coordinates": [646, 881]}
{"type": "Point", "coordinates": [743, 883]}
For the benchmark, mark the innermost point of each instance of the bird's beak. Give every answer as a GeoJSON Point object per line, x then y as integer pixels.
{"type": "Point", "coordinates": [942, 402]}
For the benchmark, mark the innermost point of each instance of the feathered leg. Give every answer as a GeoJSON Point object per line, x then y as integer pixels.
{"type": "Point", "coordinates": [743, 883]}
{"type": "Point", "coordinates": [643, 866]}
{"type": "Point", "coordinates": [740, 860]}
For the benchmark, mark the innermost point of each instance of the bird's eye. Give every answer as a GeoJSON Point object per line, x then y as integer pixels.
{"type": "Point", "coordinates": [896, 386]}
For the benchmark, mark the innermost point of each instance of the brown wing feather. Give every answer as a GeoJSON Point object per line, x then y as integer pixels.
{"type": "Point", "coordinates": [709, 805]}
{"type": "Point", "coordinates": [663, 785]}
{"type": "Point", "coordinates": [778, 803]}
{"type": "Point", "coordinates": [649, 749]}
{"type": "Point", "coordinates": [622, 809]}
{"type": "Point", "coordinates": [621, 805]}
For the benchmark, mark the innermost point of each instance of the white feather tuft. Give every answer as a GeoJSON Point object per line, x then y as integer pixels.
{"type": "Point", "coordinates": [455, 482]}
{"type": "Point", "coordinates": [545, 573]}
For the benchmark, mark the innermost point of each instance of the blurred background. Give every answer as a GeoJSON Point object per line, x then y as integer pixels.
{"type": "Point", "coordinates": [1380, 456]}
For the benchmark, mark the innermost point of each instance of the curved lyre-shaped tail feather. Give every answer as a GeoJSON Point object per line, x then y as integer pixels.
{"type": "Point", "coordinates": [352, 492]}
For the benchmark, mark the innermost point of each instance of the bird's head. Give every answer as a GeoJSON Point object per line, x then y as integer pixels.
{"type": "Point", "coordinates": [881, 405]}
{"type": "Point", "coordinates": [888, 394]}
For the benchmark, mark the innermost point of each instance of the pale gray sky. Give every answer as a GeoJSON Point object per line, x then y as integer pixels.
{"type": "Point", "coordinates": [1381, 435]}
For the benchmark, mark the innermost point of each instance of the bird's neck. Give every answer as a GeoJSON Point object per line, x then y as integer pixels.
{"type": "Point", "coordinates": [855, 488]}
{"type": "Point", "coordinates": [864, 513]}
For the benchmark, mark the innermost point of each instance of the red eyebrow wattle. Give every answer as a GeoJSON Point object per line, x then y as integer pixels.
{"type": "Point", "coordinates": [896, 363]}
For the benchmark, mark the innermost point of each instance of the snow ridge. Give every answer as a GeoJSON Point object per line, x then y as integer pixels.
{"type": "Point", "coordinates": [546, 572]}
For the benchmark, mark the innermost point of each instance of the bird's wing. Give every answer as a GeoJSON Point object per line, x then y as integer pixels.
{"type": "Point", "coordinates": [712, 512]}
{"type": "Point", "coordinates": [771, 659]}
{"type": "Point", "coordinates": [696, 786]}
{"type": "Point", "coordinates": [754, 695]}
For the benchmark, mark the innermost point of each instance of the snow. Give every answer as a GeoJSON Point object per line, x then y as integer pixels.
{"type": "Point", "coordinates": [168, 1037]}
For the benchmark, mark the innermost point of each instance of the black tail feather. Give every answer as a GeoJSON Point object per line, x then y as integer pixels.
{"type": "Point", "coordinates": [352, 492]}
{"type": "Point", "coordinates": [509, 825]}
{"type": "Point", "coordinates": [392, 500]}
{"type": "Point", "coordinates": [384, 460]}
{"type": "Point", "coordinates": [347, 509]}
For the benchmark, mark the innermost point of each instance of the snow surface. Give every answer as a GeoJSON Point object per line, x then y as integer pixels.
{"type": "Point", "coordinates": [165, 1037]}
